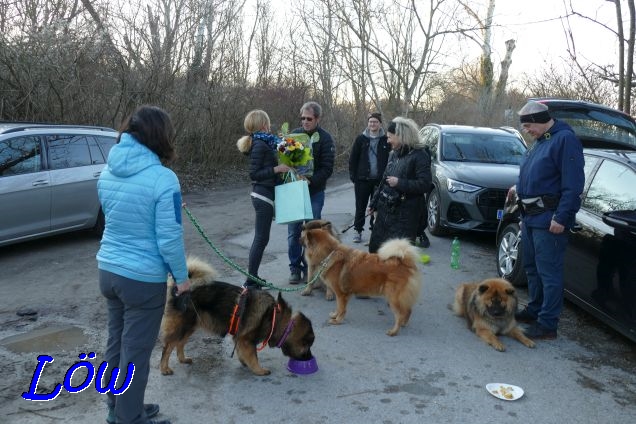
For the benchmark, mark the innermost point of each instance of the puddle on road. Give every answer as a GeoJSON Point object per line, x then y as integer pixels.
{"type": "Point", "coordinates": [47, 339]}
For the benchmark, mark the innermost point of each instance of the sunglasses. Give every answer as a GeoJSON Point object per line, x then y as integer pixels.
{"type": "Point", "coordinates": [306, 118]}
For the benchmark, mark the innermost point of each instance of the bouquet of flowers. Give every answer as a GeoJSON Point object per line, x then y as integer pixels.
{"type": "Point", "coordinates": [292, 149]}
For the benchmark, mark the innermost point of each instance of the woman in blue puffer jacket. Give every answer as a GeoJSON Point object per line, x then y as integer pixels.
{"type": "Point", "coordinates": [142, 243]}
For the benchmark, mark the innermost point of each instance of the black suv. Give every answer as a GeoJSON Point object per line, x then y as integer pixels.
{"type": "Point", "coordinates": [600, 261]}
{"type": "Point", "coordinates": [48, 179]}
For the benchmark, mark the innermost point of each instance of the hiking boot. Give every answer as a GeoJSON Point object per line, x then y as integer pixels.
{"type": "Point", "coordinates": [295, 278]}
{"type": "Point", "coordinates": [537, 331]}
{"type": "Point", "coordinates": [525, 316]}
{"type": "Point", "coordinates": [357, 237]}
{"type": "Point", "coordinates": [424, 241]}
{"type": "Point", "coordinates": [252, 285]}
{"type": "Point", "coordinates": [151, 409]}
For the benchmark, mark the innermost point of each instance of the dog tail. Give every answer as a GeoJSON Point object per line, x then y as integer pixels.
{"type": "Point", "coordinates": [199, 271]}
{"type": "Point", "coordinates": [403, 250]}
{"type": "Point", "coordinates": [398, 248]}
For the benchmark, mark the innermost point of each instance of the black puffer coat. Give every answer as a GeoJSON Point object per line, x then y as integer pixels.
{"type": "Point", "coordinates": [262, 160]}
{"type": "Point", "coordinates": [398, 208]}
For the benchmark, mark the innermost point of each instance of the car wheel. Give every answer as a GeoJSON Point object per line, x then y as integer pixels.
{"type": "Point", "coordinates": [100, 224]}
{"type": "Point", "coordinates": [434, 207]}
{"type": "Point", "coordinates": [509, 264]}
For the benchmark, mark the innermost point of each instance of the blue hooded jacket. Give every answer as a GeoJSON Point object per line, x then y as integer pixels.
{"type": "Point", "coordinates": [554, 166]}
{"type": "Point", "coordinates": [141, 200]}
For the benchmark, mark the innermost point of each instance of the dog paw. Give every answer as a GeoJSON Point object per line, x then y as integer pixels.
{"type": "Point", "coordinates": [333, 315]}
{"type": "Point", "coordinates": [335, 321]}
{"type": "Point", "coordinates": [262, 371]}
{"type": "Point", "coordinates": [330, 297]}
{"type": "Point", "coordinates": [186, 361]}
{"type": "Point", "coordinates": [306, 292]}
{"type": "Point", "coordinates": [167, 371]}
{"type": "Point", "coordinates": [499, 346]}
{"type": "Point", "coordinates": [530, 343]}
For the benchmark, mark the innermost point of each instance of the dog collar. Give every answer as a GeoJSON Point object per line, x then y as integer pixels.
{"type": "Point", "coordinates": [288, 329]}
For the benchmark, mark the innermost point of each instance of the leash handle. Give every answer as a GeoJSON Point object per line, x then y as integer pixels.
{"type": "Point", "coordinates": [351, 226]}
{"type": "Point", "coordinates": [290, 177]}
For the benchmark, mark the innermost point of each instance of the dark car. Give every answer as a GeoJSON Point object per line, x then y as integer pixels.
{"type": "Point", "coordinates": [48, 179]}
{"type": "Point", "coordinates": [600, 261]}
{"type": "Point", "coordinates": [472, 168]}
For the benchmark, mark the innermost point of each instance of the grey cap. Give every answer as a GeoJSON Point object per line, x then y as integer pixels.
{"type": "Point", "coordinates": [534, 112]}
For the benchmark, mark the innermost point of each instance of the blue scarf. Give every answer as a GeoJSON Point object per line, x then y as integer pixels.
{"type": "Point", "coordinates": [271, 139]}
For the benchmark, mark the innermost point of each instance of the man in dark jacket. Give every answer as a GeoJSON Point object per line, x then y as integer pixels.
{"type": "Point", "coordinates": [369, 155]}
{"type": "Point", "coordinates": [551, 180]}
{"type": "Point", "coordinates": [317, 173]}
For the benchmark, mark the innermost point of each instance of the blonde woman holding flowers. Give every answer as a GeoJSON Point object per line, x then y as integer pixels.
{"type": "Point", "coordinates": [261, 147]}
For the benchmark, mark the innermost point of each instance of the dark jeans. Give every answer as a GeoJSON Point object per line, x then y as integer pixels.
{"type": "Point", "coordinates": [423, 224]}
{"type": "Point", "coordinates": [262, 226]}
{"type": "Point", "coordinates": [543, 254]}
{"type": "Point", "coordinates": [295, 248]}
{"type": "Point", "coordinates": [363, 190]}
{"type": "Point", "coordinates": [135, 310]}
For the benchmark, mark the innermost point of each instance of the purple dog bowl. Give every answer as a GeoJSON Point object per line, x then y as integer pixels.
{"type": "Point", "coordinates": [309, 366]}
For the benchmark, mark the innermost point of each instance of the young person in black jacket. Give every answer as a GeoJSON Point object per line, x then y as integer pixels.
{"type": "Point", "coordinates": [369, 155]}
{"type": "Point", "coordinates": [260, 145]}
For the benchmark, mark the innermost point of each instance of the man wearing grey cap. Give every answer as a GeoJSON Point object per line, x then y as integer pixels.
{"type": "Point", "coordinates": [549, 187]}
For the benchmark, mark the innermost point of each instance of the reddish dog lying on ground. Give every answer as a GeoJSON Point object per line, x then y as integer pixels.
{"type": "Point", "coordinates": [489, 308]}
{"type": "Point", "coordinates": [391, 273]}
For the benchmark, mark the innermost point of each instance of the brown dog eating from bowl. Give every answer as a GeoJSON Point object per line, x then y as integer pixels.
{"type": "Point", "coordinates": [391, 273]}
{"type": "Point", "coordinates": [489, 308]}
{"type": "Point", "coordinates": [214, 306]}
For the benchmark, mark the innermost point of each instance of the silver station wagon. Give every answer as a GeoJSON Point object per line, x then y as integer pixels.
{"type": "Point", "coordinates": [48, 179]}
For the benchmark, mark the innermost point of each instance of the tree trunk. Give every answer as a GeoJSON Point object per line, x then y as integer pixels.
{"type": "Point", "coordinates": [503, 76]}
{"type": "Point", "coordinates": [629, 71]}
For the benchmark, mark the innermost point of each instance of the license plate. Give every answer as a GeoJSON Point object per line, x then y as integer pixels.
{"type": "Point", "coordinates": [499, 214]}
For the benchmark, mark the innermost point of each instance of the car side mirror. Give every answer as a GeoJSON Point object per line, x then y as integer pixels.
{"type": "Point", "coordinates": [623, 220]}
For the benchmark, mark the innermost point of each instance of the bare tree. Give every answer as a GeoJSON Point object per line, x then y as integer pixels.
{"type": "Point", "coordinates": [623, 77]}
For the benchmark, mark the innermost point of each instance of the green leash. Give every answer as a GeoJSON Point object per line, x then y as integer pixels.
{"type": "Point", "coordinates": [234, 265]}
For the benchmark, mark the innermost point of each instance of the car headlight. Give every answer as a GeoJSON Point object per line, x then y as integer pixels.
{"type": "Point", "coordinates": [454, 186]}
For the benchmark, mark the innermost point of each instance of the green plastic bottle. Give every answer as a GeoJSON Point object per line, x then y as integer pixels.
{"type": "Point", "coordinates": [454, 262]}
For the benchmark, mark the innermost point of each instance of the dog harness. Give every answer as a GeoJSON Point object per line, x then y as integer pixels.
{"type": "Point", "coordinates": [237, 312]}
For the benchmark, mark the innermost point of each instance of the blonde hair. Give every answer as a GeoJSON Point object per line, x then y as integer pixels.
{"type": "Point", "coordinates": [255, 120]}
{"type": "Point", "coordinates": [407, 130]}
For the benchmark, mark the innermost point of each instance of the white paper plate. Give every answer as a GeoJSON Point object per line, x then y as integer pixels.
{"type": "Point", "coordinates": [504, 391]}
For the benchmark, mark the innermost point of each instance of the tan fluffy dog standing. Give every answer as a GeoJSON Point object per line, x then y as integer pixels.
{"type": "Point", "coordinates": [392, 273]}
{"type": "Point", "coordinates": [489, 308]}
{"type": "Point", "coordinates": [325, 225]}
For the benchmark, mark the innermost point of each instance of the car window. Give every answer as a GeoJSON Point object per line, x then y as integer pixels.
{"type": "Point", "coordinates": [20, 155]}
{"type": "Point", "coordinates": [486, 148]}
{"type": "Point", "coordinates": [105, 144]}
{"type": "Point", "coordinates": [69, 151]}
{"type": "Point", "coordinates": [598, 125]}
{"type": "Point", "coordinates": [429, 136]}
{"type": "Point", "coordinates": [612, 189]}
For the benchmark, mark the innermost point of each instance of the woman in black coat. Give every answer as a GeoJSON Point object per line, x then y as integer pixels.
{"type": "Point", "coordinates": [399, 199]}
{"type": "Point", "coordinates": [260, 145]}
